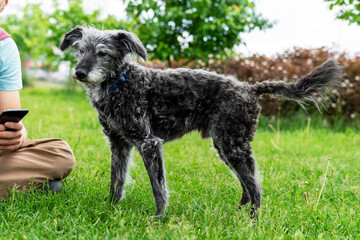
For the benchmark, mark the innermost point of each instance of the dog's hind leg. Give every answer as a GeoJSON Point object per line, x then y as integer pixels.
{"type": "Point", "coordinates": [245, 198]}
{"type": "Point", "coordinates": [238, 156]}
{"type": "Point", "coordinates": [120, 150]}
{"type": "Point", "coordinates": [151, 151]}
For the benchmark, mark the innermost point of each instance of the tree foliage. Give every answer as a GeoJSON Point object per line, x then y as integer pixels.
{"type": "Point", "coordinates": [29, 31]}
{"type": "Point", "coordinates": [182, 29]}
{"type": "Point", "coordinates": [38, 33]}
{"type": "Point", "coordinates": [193, 29]}
{"type": "Point", "coordinates": [348, 10]}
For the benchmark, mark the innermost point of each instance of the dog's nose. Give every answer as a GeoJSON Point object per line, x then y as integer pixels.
{"type": "Point", "coordinates": [80, 74]}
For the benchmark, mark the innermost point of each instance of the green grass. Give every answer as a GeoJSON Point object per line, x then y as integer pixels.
{"type": "Point", "coordinates": [204, 195]}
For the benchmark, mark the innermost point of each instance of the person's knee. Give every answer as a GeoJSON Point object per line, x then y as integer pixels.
{"type": "Point", "coordinates": [65, 159]}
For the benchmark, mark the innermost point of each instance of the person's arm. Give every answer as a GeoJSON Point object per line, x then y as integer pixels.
{"type": "Point", "coordinates": [10, 84]}
{"type": "Point", "coordinates": [11, 140]}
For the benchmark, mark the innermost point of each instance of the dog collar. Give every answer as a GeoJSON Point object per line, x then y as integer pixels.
{"type": "Point", "coordinates": [115, 85]}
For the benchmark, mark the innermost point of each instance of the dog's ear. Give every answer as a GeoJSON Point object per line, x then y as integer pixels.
{"type": "Point", "coordinates": [75, 34]}
{"type": "Point", "coordinates": [131, 43]}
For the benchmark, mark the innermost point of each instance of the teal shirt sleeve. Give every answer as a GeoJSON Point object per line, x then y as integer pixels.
{"type": "Point", "coordinates": [10, 66]}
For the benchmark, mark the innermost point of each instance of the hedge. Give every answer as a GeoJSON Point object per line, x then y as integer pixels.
{"type": "Point", "coordinates": [288, 66]}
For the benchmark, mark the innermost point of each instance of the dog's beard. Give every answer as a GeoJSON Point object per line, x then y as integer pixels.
{"type": "Point", "coordinates": [94, 76]}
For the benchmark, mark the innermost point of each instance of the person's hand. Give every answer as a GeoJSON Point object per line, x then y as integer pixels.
{"type": "Point", "coordinates": [12, 140]}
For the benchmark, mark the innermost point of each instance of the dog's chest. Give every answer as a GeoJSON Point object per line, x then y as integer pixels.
{"type": "Point", "coordinates": [115, 126]}
{"type": "Point", "coordinates": [96, 94]}
{"type": "Point", "coordinates": [111, 124]}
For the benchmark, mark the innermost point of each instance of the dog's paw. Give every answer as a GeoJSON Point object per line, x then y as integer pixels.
{"type": "Point", "coordinates": [160, 213]}
{"type": "Point", "coordinates": [112, 199]}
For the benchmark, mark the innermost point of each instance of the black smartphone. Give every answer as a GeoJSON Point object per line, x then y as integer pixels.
{"type": "Point", "coordinates": [12, 115]}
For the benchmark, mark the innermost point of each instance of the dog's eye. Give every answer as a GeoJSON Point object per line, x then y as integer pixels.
{"type": "Point", "coordinates": [80, 53]}
{"type": "Point", "coordinates": [102, 54]}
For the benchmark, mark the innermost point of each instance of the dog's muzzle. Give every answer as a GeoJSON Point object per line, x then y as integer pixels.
{"type": "Point", "coordinates": [80, 74]}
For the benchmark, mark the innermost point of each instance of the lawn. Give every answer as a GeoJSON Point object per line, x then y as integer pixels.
{"type": "Point", "coordinates": [204, 195]}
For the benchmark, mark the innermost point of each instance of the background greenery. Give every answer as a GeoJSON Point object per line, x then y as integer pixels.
{"type": "Point", "coordinates": [204, 195]}
{"type": "Point", "coordinates": [38, 33]}
{"type": "Point", "coordinates": [348, 10]}
{"type": "Point", "coordinates": [192, 29]}
{"type": "Point", "coordinates": [165, 26]}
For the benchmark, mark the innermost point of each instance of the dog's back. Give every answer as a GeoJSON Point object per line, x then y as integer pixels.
{"type": "Point", "coordinates": [182, 100]}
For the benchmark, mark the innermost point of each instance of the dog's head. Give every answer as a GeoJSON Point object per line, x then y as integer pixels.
{"type": "Point", "coordinates": [100, 53]}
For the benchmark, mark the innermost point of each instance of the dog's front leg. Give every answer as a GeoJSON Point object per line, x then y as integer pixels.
{"type": "Point", "coordinates": [120, 153]}
{"type": "Point", "coordinates": [151, 151]}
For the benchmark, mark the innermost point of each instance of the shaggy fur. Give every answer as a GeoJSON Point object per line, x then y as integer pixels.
{"type": "Point", "coordinates": [144, 108]}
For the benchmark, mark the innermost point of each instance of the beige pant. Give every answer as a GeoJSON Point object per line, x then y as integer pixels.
{"type": "Point", "coordinates": [34, 162]}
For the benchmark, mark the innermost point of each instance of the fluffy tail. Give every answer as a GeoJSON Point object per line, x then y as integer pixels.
{"type": "Point", "coordinates": [322, 78]}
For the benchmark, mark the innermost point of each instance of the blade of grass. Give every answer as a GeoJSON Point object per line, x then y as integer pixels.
{"type": "Point", "coordinates": [323, 185]}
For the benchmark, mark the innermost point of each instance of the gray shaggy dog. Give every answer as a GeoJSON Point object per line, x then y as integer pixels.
{"type": "Point", "coordinates": [143, 108]}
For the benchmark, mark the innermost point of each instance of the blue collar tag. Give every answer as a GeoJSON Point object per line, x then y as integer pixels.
{"type": "Point", "coordinates": [122, 79]}
{"type": "Point", "coordinates": [115, 85]}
